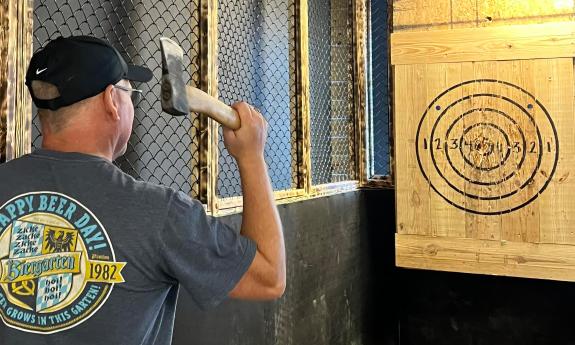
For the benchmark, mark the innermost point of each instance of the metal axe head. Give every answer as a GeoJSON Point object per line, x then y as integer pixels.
{"type": "Point", "coordinates": [174, 98]}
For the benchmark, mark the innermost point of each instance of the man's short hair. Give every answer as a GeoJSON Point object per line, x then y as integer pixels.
{"type": "Point", "coordinates": [44, 90]}
{"type": "Point", "coordinates": [55, 119]}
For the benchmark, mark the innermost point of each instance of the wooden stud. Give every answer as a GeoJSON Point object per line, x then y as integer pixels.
{"type": "Point", "coordinates": [360, 87]}
{"type": "Point", "coordinates": [304, 92]}
{"type": "Point", "coordinates": [196, 147]}
{"type": "Point", "coordinates": [294, 85]}
{"type": "Point", "coordinates": [4, 26]}
{"type": "Point", "coordinates": [208, 144]}
{"type": "Point", "coordinates": [390, 180]}
{"type": "Point", "coordinates": [16, 105]}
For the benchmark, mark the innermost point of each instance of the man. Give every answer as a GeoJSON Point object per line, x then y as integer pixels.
{"type": "Point", "coordinates": [88, 255]}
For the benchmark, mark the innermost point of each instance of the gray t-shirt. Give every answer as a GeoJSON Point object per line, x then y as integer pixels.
{"type": "Point", "coordinates": [88, 255]}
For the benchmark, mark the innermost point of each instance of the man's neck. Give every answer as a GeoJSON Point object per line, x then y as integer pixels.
{"type": "Point", "coordinates": [76, 144]}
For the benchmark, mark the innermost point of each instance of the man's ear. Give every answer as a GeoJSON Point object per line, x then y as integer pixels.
{"type": "Point", "coordinates": [111, 103]}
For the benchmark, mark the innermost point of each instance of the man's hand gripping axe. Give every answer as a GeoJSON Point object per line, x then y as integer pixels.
{"type": "Point", "coordinates": [179, 99]}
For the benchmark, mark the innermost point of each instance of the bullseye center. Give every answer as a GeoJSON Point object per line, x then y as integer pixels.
{"type": "Point", "coordinates": [483, 146]}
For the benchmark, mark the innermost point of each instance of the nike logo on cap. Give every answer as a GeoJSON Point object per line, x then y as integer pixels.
{"type": "Point", "coordinates": [38, 71]}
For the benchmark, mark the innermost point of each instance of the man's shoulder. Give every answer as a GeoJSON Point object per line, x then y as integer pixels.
{"type": "Point", "coordinates": [17, 166]}
{"type": "Point", "coordinates": [148, 188]}
{"type": "Point", "coordinates": [142, 190]}
{"type": "Point", "coordinates": [106, 178]}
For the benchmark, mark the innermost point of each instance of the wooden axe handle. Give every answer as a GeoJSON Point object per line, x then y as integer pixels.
{"type": "Point", "coordinates": [201, 102]}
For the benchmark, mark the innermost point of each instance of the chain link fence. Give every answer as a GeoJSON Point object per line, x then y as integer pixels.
{"type": "Point", "coordinates": [256, 64]}
{"type": "Point", "coordinates": [162, 149]}
{"type": "Point", "coordinates": [331, 91]}
{"type": "Point", "coordinates": [378, 124]}
{"type": "Point", "coordinates": [255, 57]}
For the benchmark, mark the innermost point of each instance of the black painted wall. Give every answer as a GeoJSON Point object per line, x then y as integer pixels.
{"type": "Point", "coordinates": [344, 289]}
{"type": "Point", "coordinates": [327, 284]}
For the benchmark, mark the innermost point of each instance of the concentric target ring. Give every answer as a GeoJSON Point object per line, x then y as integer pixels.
{"type": "Point", "coordinates": [485, 143]}
{"type": "Point", "coordinates": [503, 179]}
{"type": "Point", "coordinates": [508, 151]}
{"type": "Point", "coordinates": [490, 141]}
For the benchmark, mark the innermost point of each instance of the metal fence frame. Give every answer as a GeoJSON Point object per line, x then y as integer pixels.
{"type": "Point", "coordinates": [17, 103]}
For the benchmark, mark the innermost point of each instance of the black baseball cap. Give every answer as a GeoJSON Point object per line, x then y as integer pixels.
{"type": "Point", "coordinates": [80, 67]}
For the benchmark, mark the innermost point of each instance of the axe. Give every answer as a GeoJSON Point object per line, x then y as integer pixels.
{"type": "Point", "coordinates": [179, 99]}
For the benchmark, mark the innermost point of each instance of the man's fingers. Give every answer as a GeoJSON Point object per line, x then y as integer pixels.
{"type": "Point", "coordinates": [257, 114]}
{"type": "Point", "coordinates": [243, 110]}
{"type": "Point", "coordinates": [250, 116]}
{"type": "Point", "coordinates": [229, 134]}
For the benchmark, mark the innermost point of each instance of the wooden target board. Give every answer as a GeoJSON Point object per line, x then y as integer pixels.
{"type": "Point", "coordinates": [491, 142]}
{"type": "Point", "coordinates": [485, 159]}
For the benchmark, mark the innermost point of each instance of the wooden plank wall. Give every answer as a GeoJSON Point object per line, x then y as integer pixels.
{"type": "Point", "coordinates": [516, 42]}
{"type": "Point", "coordinates": [421, 15]}
{"type": "Point", "coordinates": [534, 241]}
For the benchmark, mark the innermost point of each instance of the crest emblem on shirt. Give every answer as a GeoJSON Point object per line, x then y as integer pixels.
{"type": "Point", "coordinates": [57, 264]}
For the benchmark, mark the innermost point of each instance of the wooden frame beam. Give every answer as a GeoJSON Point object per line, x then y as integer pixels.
{"type": "Point", "coordinates": [208, 144]}
{"type": "Point", "coordinates": [4, 25]}
{"type": "Point", "coordinates": [517, 42]}
{"type": "Point", "coordinates": [360, 24]}
{"type": "Point", "coordinates": [15, 53]}
{"type": "Point", "coordinates": [505, 258]}
{"type": "Point", "coordinates": [303, 96]}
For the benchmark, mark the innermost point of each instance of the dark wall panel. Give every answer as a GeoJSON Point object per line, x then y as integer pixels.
{"type": "Point", "coordinates": [324, 301]}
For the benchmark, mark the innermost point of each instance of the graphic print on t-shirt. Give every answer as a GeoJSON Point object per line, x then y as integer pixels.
{"type": "Point", "coordinates": [57, 264]}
